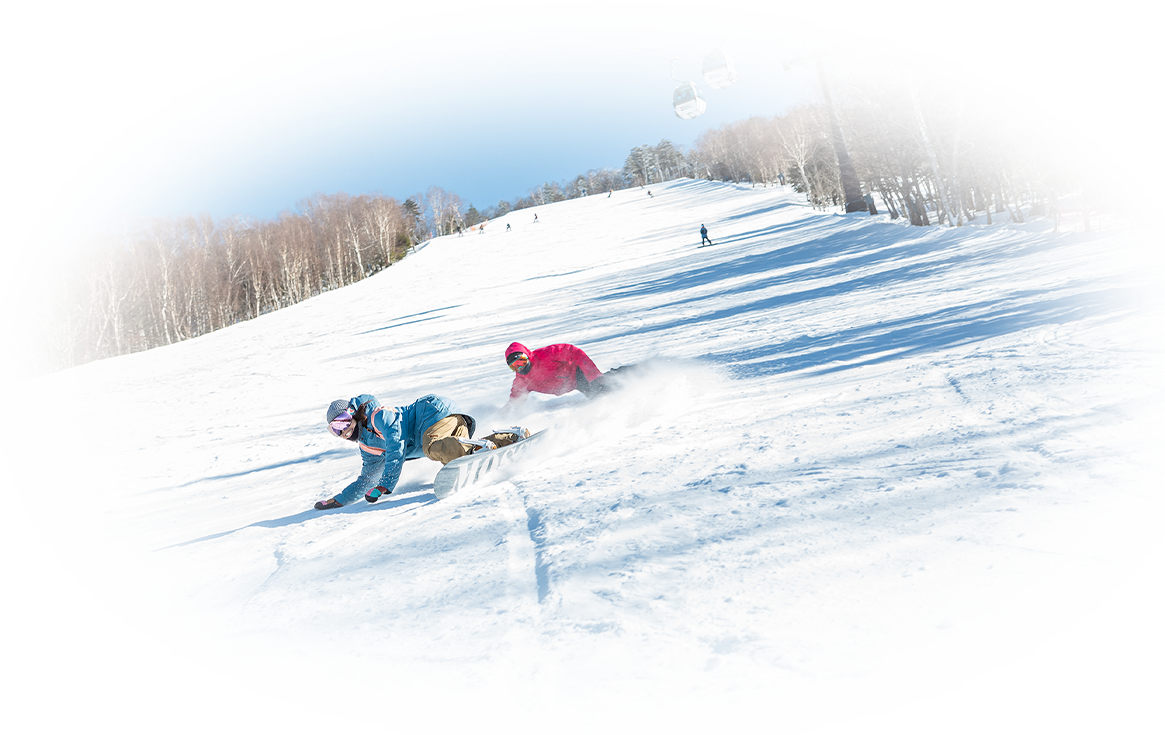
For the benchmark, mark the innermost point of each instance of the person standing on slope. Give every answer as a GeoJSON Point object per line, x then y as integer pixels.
{"type": "Point", "coordinates": [704, 236]}
{"type": "Point", "coordinates": [429, 427]}
{"type": "Point", "coordinates": [555, 369]}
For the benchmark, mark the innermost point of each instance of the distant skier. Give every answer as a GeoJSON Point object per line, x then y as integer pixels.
{"type": "Point", "coordinates": [429, 427]}
{"type": "Point", "coordinates": [507, 227]}
{"type": "Point", "coordinates": [704, 236]}
{"type": "Point", "coordinates": [649, 193]}
{"type": "Point", "coordinates": [535, 216]}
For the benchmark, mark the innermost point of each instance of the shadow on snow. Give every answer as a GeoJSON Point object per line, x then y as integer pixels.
{"type": "Point", "coordinates": [849, 261]}
{"type": "Point", "coordinates": [423, 498]}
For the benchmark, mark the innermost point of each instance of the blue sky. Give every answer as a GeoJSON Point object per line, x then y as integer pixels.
{"type": "Point", "coordinates": [247, 106]}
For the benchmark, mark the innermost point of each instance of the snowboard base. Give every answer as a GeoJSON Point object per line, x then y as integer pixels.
{"type": "Point", "coordinates": [484, 466]}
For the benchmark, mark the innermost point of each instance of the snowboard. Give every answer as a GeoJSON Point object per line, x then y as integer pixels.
{"type": "Point", "coordinates": [485, 466]}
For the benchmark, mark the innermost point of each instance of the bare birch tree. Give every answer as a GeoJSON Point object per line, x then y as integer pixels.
{"type": "Point", "coordinates": [897, 36]}
{"type": "Point", "coordinates": [442, 210]}
{"type": "Point", "coordinates": [961, 25]}
{"type": "Point", "coordinates": [803, 146]}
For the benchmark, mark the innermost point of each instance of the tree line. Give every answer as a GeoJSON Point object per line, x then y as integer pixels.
{"type": "Point", "coordinates": [919, 151]}
{"type": "Point", "coordinates": [148, 281]}
{"type": "Point", "coordinates": [177, 278]}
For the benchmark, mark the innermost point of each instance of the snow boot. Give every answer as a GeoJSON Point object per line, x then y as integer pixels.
{"type": "Point", "coordinates": [375, 494]}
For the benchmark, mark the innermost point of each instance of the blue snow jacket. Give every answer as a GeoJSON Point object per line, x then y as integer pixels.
{"type": "Point", "coordinates": [389, 436]}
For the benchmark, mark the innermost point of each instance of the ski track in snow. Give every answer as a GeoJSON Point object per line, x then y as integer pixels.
{"type": "Point", "coordinates": [894, 467]}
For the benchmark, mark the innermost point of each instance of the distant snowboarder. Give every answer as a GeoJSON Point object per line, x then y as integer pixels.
{"type": "Point", "coordinates": [556, 369]}
{"type": "Point", "coordinates": [704, 236]}
{"type": "Point", "coordinates": [429, 427]}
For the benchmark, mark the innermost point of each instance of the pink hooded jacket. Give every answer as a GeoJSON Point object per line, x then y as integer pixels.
{"type": "Point", "coordinates": [552, 370]}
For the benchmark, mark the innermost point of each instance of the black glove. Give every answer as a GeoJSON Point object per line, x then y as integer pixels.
{"type": "Point", "coordinates": [375, 493]}
{"type": "Point", "coordinates": [328, 504]}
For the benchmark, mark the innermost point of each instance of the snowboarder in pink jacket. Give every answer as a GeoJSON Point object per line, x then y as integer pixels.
{"type": "Point", "coordinates": [555, 369]}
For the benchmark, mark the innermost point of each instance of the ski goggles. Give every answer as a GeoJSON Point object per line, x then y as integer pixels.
{"type": "Point", "coordinates": [341, 423]}
{"type": "Point", "coordinates": [517, 360]}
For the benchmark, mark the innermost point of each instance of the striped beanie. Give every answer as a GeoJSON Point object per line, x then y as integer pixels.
{"type": "Point", "coordinates": [335, 408]}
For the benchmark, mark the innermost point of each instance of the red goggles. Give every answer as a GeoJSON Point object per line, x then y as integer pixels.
{"type": "Point", "coordinates": [517, 360]}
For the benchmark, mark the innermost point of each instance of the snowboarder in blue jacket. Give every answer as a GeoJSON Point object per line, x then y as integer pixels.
{"type": "Point", "coordinates": [429, 427]}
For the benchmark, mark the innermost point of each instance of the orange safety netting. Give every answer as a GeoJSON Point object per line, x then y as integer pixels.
{"type": "Point", "coordinates": [1136, 211]}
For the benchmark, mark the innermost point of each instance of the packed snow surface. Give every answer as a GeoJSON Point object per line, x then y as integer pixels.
{"type": "Point", "coordinates": [870, 477]}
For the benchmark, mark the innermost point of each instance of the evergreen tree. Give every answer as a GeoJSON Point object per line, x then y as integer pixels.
{"type": "Point", "coordinates": [550, 192]}
{"type": "Point", "coordinates": [413, 219]}
{"type": "Point", "coordinates": [669, 160]}
{"type": "Point", "coordinates": [635, 169]}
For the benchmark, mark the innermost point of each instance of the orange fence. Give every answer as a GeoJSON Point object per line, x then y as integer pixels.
{"type": "Point", "coordinates": [1136, 211]}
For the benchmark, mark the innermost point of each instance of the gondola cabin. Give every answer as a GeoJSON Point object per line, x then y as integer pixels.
{"type": "Point", "coordinates": [718, 70]}
{"type": "Point", "coordinates": [687, 101]}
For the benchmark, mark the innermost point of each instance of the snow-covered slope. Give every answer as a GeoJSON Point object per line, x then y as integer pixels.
{"type": "Point", "coordinates": [874, 478]}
